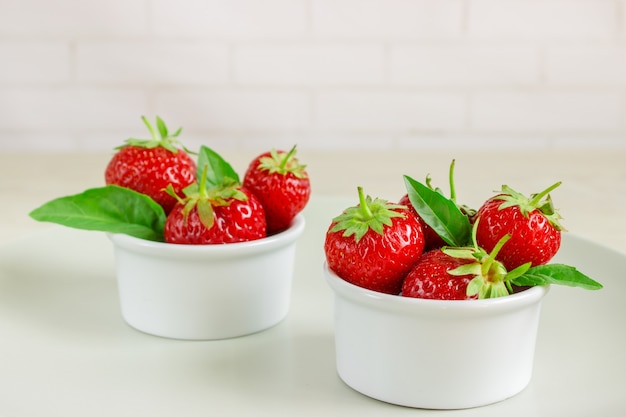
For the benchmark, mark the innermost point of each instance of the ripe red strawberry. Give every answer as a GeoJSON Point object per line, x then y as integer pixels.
{"type": "Point", "coordinates": [282, 185]}
{"type": "Point", "coordinates": [430, 278]}
{"type": "Point", "coordinates": [431, 238]}
{"type": "Point", "coordinates": [532, 223]}
{"type": "Point", "coordinates": [462, 273]}
{"type": "Point", "coordinates": [374, 244]}
{"type": "Point", "coordinates": [149, 166]}
{"type": "Point", "coordinates": [218, 215]}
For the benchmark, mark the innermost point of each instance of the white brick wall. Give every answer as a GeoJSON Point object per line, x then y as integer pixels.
{"type": "Point", "coordinates": [325, 63]}
{"type": "Point", "coordinates": [236, 110]}
{"type": "Point", "coordinates": [586, 65]}
{"type": "Point", "coordinates": [464, 65]}
{"type": "Point", "coordinates": [23, 61]}
{"type": "Point", "coordinates": [326, 74]}
{"type": "Point", "coordinates": [141, 63]}
{"type": "Point", "coordinates": [370, 111]}
{"type": "Point", "coordinates": [72, 19]}
{"type": "Point", "coordinates": [387, 19]}
{"type": "Point", "coordinates": [623, 18]}
{"type": "Point", "coordinates": [547, 111]}
{"type": "Point", "coordinates": [239, 19]}
{"type": "Point", "coordinates": [543, 19]}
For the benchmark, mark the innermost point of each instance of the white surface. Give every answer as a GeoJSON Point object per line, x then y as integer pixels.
{"type": "Point", "coordinates": [593, 182]}
{"type": "Point", "coordinates": [433, 353]}
{"type": "Point", "coordinates": [206, 292]}
{"type": "Point", "coordinates": [66, 350]}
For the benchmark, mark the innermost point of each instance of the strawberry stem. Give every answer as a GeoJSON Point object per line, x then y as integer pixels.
{"type": "Point", "coordinates": [365, 209]}
{"type": "Point", "coordinates": [203, 180]}
{"type": "Point", "coordinates": [492, 256]}
{"type": "Point", "coordinates": [451, 179]}
{"type": "Point", "coordinates": [151, 129]}
{"type": "Point", "coordinates": [537, 198]}
{"type": "Point", "coordinates": [286, 158]}
{"type": "Point", "coordinates": [499, 245]}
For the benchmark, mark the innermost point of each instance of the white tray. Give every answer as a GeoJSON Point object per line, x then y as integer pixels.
{"type": "Point", "coordinates": [66, 351]}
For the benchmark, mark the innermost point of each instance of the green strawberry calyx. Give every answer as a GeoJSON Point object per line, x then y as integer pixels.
{"type": "Point", "coordinates": [198, 195]}
{"type": "Point", "coordinates": [491, 279]}
{"type": "Point", "coordinates": [512, 198]}
{"type": "Point", "coordinates": [159, 137]}
{"type": "Point", "coordinates": [372, 214]}
{"type": "Point", "coordinates": [282, 163]}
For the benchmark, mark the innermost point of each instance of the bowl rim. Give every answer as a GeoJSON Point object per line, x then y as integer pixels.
{"type": "Point", "coordinates": [408, 305]}
{"type": "Point", "coordinates": [266, 244]}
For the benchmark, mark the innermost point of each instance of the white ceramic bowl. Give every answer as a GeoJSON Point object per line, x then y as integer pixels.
{"type": "Point", "coordinates": [205, 292]}
{"type": "Point", "coordinates": [434, 354]}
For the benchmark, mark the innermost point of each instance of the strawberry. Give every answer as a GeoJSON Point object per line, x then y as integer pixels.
{"type": "Point", "coordinates": [462, 273]}
{"type": "Point", "coordinates": [374, 244]}
{"type": "Point", "coordinates": [532, 223]}
{"type": "Point", "coordinates": [282, 185]}
{"type": "Point", "coordinates": [225, 214]}
{"type": "Point", "coordinates": [149, 166]}
{"type": "Point", "coordinates": [430, 278]}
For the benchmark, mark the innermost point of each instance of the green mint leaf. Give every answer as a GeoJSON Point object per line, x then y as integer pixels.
{"type": "Point", "coordinates": [556, 274]}
{"type": "Point", "coordinates": [219, 172]}
{"type": "Point", "coordinates": [440, 213]}
{"type": "Point", "coordinates": [107, 209]}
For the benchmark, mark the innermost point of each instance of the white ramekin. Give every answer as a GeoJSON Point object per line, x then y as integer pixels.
{"type": "Point", "coordinates": [205, 292]}
{"type": "Point", "coordinates": [434, 354]}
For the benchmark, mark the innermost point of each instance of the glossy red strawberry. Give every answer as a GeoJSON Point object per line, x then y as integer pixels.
{"type": "Point", "coordinates": [282, 185]}
{"type": "Point", "coordinates": [149, 166]}
{"type": "Point", "coordinates": [430, 278]}
{"type": "Point", "coordinates": [215, 216]}
{"type": "Point", "coordinates": [462, 273]}
{"type": "Point", "coordinates": [532, 223]}
{"type": "Point", "coordinates": [374, 244]}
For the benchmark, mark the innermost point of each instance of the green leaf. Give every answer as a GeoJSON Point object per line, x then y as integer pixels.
{"type": "Point", "coordinates": [111, 209]}
{"type": "Point", "coordinates": [440, 213]}
{"type": "Point", "coordinates": [219, 172]}
{"type": "Point", "coordinates": [556, 274]}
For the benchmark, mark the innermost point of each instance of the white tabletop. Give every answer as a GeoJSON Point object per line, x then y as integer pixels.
{"type": "Point", "coordinates": [66, 350]}
{"type": "Point", "coordinates": [591, 199]}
